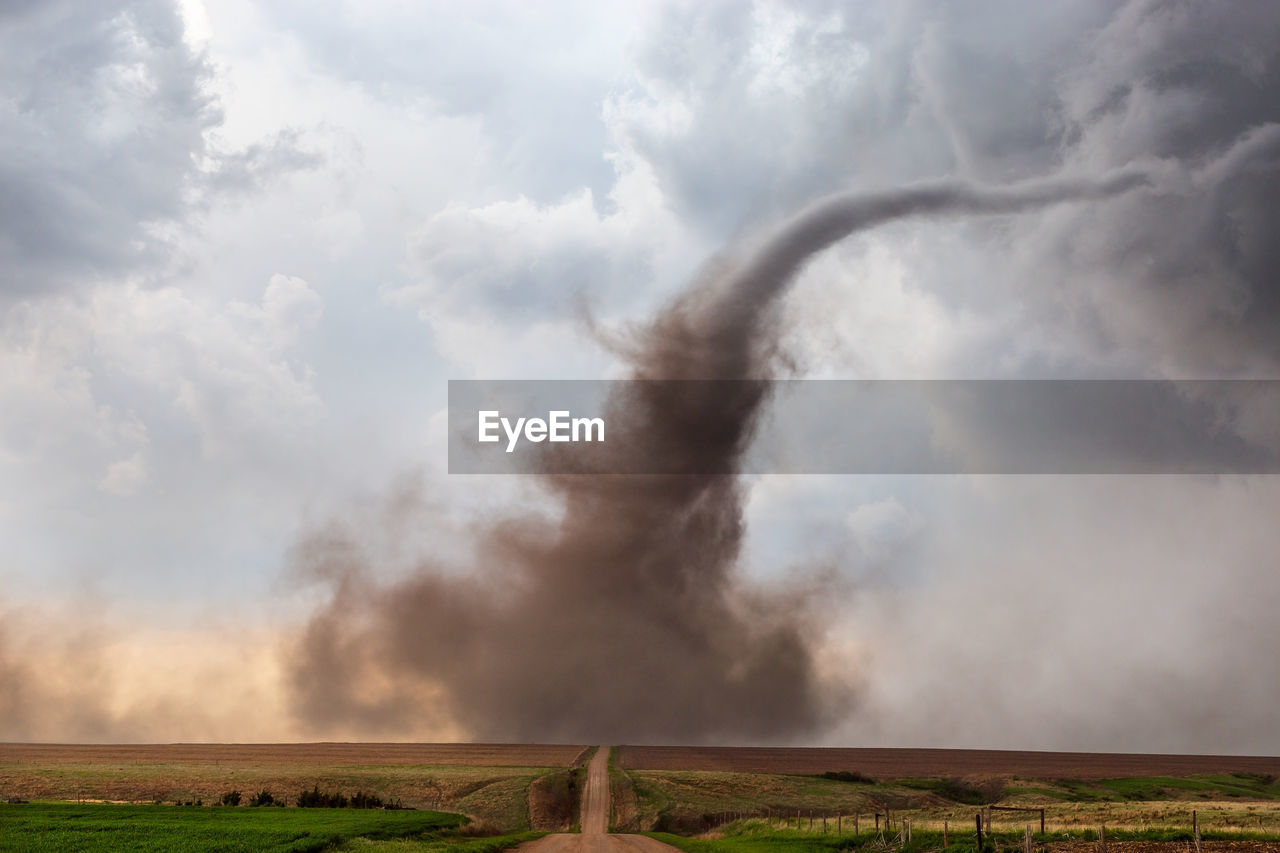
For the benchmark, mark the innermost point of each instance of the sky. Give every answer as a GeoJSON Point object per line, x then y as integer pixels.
{"type": "Point", "coordinates": [244, 246]}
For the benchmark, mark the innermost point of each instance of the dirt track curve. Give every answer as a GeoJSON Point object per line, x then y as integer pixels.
{"type": "Point", "coordinates": [595, 837]}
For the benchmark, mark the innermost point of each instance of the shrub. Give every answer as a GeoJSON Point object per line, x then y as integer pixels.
{"type": "Point", "coordinates": [361, 800]}
{"type": "Point", "coordinates": [848, 776]}
{"type": "Point", "coordinates": [317, 799]}
{"type": "Point", "coordinates": [231, 798]}
{"type": "Point", "coordinates": [263, 798]}
{"type": "Point", "coordinates": [958, 791]}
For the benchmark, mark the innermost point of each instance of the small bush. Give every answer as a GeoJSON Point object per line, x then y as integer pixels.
{"type": "Point", "coordinates": [1263, 779]}
{"type": "Point", "coordinates": [361, 800]}
{"type": "Point", "coordinates": [959, 791]}
{"type": "Point", "coordinates": [317, 799]}
{"type": "Point", "coordinates": [263, 798]}
{"type": "Point", "coordinates": [231, 798]}
{"type": "Point", "coordinates": [848, 776]}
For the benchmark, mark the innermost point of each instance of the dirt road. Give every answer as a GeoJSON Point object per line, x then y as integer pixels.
{"type": "Point", "coordinates": [595, 837]}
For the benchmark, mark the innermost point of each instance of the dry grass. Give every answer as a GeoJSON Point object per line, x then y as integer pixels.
{"type": "Point", "coordinates": [693, 800]}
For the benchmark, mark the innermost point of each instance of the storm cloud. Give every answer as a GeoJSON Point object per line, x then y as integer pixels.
{"type": "Point", "coordinates": [105, 111]}
{"type": "Point", "coordinates": [243, 247]}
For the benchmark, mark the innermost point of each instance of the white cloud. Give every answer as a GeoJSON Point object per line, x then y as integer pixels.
{"type": "Point", "coordinates": [125, 477]}
{"type": "Point", "coordinates": [503, 285]}
{"type": "Point", "coordinates": [184, 406]}
{"type": "Point", "coordinates": [878, 528]}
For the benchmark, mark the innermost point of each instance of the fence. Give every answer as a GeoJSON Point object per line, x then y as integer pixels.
{"type": "Point", "coordinates": [890, 827]}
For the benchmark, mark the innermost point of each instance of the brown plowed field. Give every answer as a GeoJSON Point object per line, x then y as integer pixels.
{"type": "Point", "coordinates": [327, 754]}
{"type": "Point", "coordinates": [907, 763]}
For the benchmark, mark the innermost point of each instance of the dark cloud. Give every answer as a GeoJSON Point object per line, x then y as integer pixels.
{"type": "Point", "coordinates": [103, 110]}
{"type": "Point", "coordinates": [873, 95]}
{"type": "Point", "coordinates": [781, 104]}
{"type": "Point", "coordinates": [1193, 281]}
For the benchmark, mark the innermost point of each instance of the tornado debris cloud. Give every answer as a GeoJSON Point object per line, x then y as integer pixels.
{"type": "Point", "coordinates": [627, 618]}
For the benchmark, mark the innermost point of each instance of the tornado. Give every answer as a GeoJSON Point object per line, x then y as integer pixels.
{"type": "Point", "coordinates": [627, 618]}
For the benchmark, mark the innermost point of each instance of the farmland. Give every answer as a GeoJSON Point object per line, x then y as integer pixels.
{"type": "Point", "coordinates": [693, 790]}
{"type": "Point", "coordinates": [230, 754]}
{"type": "Point", "coordinates": [941, 763]}
{"type": "Point", "coordinates": [718, 800]}
{"type": "Point", "coordinates": [507, 787]}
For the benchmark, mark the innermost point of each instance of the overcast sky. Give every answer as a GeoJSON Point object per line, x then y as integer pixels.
{"type": "Point", "coordinates": [244, 245]}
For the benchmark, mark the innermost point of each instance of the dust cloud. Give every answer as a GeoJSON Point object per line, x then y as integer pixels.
{"type": "Point", "coordinates": [626, 619]}
{"type": "Point", "coordinates": [76, 673]}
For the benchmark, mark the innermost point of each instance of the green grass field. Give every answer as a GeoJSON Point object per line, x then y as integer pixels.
{"type": "Point", "coordinates": [67, 827]}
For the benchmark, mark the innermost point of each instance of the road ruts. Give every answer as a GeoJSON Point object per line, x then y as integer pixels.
{"type": "Point", "coordinates": [595, 796]}
{"type": "Point", "coordinates": [595, 836]}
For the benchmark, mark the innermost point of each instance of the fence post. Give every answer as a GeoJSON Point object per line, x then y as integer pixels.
{"type": "Point", "coordinates": [1103, 836]}
{"type": "Point", "coordinates": [1028, 841]}
{"type": "Point", "coordinates": [944, 833]}
{"type": "Point", "coordinates": [978, 820]}
{"type": "Point", "coordinates": [1042, 821]}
